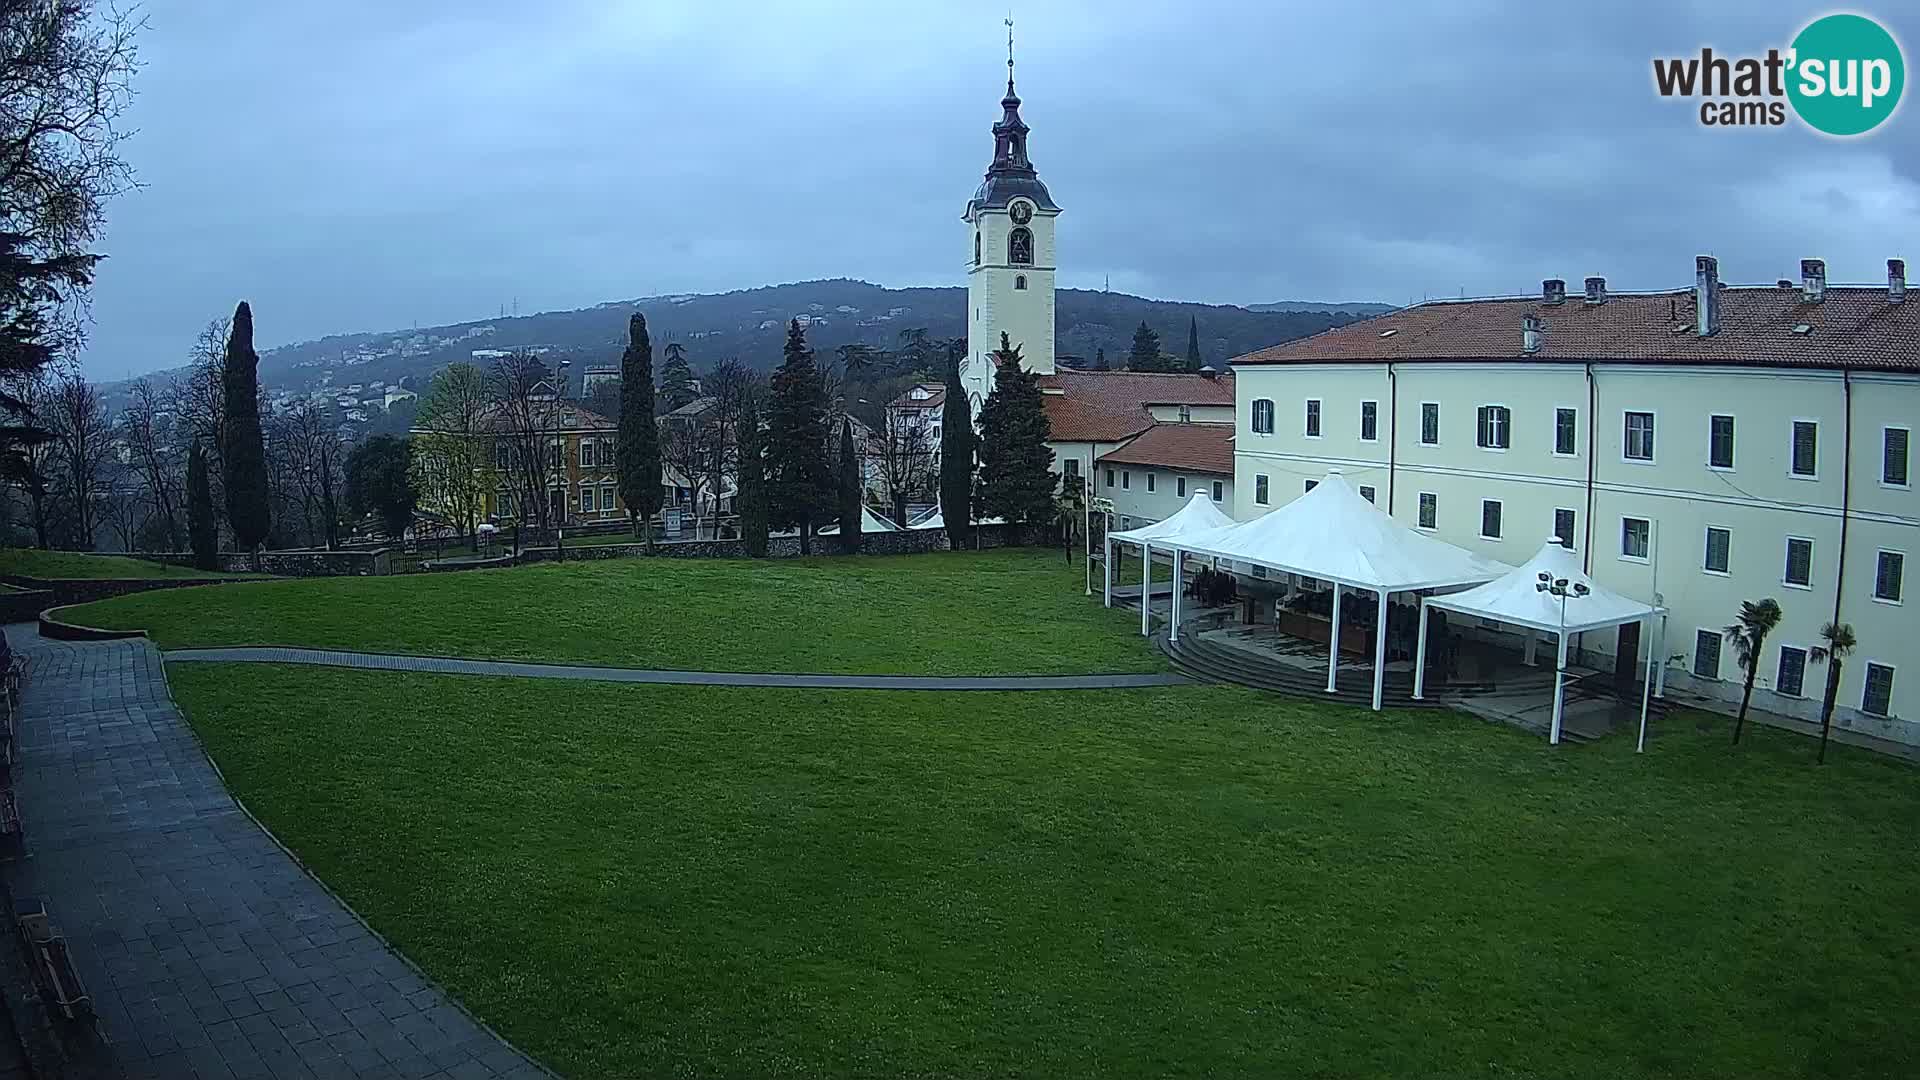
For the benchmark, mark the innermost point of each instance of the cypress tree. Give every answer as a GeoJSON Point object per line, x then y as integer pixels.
{"type": "Point", "coordinates": [639, 456]}
{"type": "Point", "coordinates": [244, 455]}
{"type": "Point", "coordinates": [1194, 363]}
{"type": "Point", "coordinates": [850, 494]}
{"type": "Point", "coordinates": [752, 500]}
{"type": "Point", "coordinates": [1145, 355]}
{"type": "Point", "coordinates": [800, 483]}
{"type": "Point", "coordinates": [203, 530]}
{"type": "Point", "coordinates": [956, 456]}
{"type": "Point", "coordinates": [1100, 359]}
{"type": "Point", "coordinates": [676, 378]}
{"type": "Point", "coordinates": [1016, 480]}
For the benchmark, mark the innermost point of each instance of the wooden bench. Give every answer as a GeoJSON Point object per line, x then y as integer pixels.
{"type": "Point", "coordinates": [52, 966]}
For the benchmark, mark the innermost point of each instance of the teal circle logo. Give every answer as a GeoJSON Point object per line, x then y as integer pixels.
{"type": "Point", "coordinates": [1847, 74]}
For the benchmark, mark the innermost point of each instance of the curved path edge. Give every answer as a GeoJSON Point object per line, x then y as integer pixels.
{"type": "Point", "coordinates": [261, 654]}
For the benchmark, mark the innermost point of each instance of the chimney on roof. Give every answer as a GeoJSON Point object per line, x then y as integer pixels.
{"type": "Point", "coordinates": [1530, 334]}
{"type": "Point", "coordinates": [1596, 290]}
{"type": "Point", "coordinates": [1785, 283]}
{"type": "Point", "coordinates": [1896, 280]}
{"type": "Point", "coordinates": [1706, 295]}
{"type": "Point", "coordinates": [1207, 371]}
{"type": "Point", "coordinates": [1553, 291]}
{"type": "Point", "coordinates": [1813, 280]}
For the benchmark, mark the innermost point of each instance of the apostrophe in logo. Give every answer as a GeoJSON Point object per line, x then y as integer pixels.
{"type": "Point", "coordinates": [1847, 74]}
{"type": "Point", "coordinates": [1842, 76]}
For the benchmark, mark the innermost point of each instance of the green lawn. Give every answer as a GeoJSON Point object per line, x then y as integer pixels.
{"type": "Point", "coordinates": [31, 562]}
{"type": "Point", "coordinates": [692, 881]}
{"type": "Point", "coordinates": [962, 613]}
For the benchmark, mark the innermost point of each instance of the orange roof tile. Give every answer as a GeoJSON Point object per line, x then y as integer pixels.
{"type": "Point", "coordinates": [1206, 448]}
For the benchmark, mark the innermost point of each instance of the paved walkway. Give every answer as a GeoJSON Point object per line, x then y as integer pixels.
{"type": "Point", "coordinates": [588, 672]}
{"type": "Point", "coordinates": [208, 951]}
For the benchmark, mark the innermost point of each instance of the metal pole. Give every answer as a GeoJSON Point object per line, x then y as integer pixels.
{"type": "Point", "coordinates": [1646, 689]}
{"type": "Point", "coordinates": [1660, 676]}
{"type": "Point", "coordinates": [1380, 653]}
{"type": "Point", "coordinates": [1173, 619]}
{"type": "Point", "coordinates": [1106, 571]}
{"type": "Point", "coordinates": [1559, 683]}
{"type": "Point", "coordinates": [1146, 584]}
{"type": "Point", "coordinates": [1333, 651]}
{"type": "Point", "coordinates": [1086, 506]}
{"type": "Point", "coordinates": [1420, 655]}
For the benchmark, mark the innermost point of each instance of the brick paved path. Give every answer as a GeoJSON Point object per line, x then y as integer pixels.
{"type": "Point", "coordinates": [208, 951]}
{"type": "Point", "coordinates": [588, 672]}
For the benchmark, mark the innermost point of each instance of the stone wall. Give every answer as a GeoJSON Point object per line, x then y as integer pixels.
{"type": "Point", "coordinates": [291, 563]}
{"type": "Point", "coordinates": [61, 592]}
{"type": "Point", "coordinates": [907, 542]}
{"type": "Point", "coordinates": [23, 604]}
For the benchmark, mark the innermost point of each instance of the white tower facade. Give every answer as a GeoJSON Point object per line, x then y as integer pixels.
{"type": "Point", "coordinates": [1010, 257]}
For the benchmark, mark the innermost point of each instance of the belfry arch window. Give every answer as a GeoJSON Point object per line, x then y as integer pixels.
{"type": "Point", "coordinates": [976, 247]}
{"type": "Point", "coordinates": [1020, 246]}
{"type": "Point", "coordinates": [1020, 281]}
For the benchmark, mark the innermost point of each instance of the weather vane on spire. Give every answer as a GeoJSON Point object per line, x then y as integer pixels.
{"type": "Point", "coordinates": [1009, 48]}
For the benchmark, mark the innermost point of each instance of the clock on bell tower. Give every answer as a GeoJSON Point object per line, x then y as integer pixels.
{"type": "Point", "coordinates": [1010, 236]}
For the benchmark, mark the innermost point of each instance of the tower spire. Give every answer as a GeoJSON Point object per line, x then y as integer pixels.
{"type": "Point", "coordinates": [1010, 54]}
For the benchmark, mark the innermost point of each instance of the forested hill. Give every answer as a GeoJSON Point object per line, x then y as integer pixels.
{"type": "Point", "coordinates": [749, 324]}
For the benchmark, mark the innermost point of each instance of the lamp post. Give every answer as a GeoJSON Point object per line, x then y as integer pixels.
{"type": "Point", "coordinates": [1559, 587]}
{"type": "Point", "coordinates": [560, 449]}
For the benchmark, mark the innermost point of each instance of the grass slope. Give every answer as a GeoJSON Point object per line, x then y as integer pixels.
{"type": "Point", "coordinates": [32, 562]}
{"type": "Point", "coordinates": [1195, 881]}
{"type": "Point", "coordinates": [995, 612]}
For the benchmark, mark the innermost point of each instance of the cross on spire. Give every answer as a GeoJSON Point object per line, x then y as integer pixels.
{"type": "Point", "coordinates": [1009, 54]}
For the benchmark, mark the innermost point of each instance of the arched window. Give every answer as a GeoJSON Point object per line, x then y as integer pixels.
{"type": "Point", "coordinates": [1262, 416]}
{"type": "Point", "coordinates": [1020, 282]}
{"type": "Point", "coordinates": [976, 247]}
{"type": "Point", "coordinates": [1020, 246]}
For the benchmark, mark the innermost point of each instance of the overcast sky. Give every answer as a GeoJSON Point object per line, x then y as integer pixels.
{"type": "Point", "coordinates": [369, 165]}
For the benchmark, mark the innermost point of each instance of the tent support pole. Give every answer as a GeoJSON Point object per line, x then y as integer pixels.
{"type": "Point", "coordinates": [1333, 651]}
{"type": "Point", "coordinates": [1420, 655]}
{"type": "Point", "coordinates": [1646, 689]}
{"type": "Point", "coordinates": [1146, 587]}
{"type": "Point", "coordinates": [1380, 653]}
{"type": "Point", "coordinates": [1660, 675]}
{"type": "Point", "coordinates": [1559, 690]}
{"type": "Point", "coordinates": [1173, 619]}
{"type": "Point", "coordinates": [1527, 657]}
{"type": "Point", "coordinates": [1106, 571]}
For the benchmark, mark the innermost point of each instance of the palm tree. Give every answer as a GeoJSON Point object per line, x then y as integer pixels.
{"type": "Point", "coordinates": [1839, 645]}
{"type": "Point", "coordinates": [1748, 635]}
{"type": "Point", "coordinates": [856, 360]}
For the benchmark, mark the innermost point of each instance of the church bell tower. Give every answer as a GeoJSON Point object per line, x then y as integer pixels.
{"type": "Point", "coordinates": [1010, 255]}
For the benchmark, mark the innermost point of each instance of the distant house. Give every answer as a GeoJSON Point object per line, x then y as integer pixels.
{"type": "Point", "coordinates": [1093, 413]}
{"type": "Point", "coordinates": [1156, 472]}
{"type": "Point", "coordinates": [597, 376]}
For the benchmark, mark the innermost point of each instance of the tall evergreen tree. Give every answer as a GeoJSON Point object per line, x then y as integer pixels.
{"type": "Point", "coordinates": [800, 484]}
{"type": "Point", "coordinates": [1194, 363]}
{"type": "Point", "coordinates": [752, 498]}
{"type": "Point", "coordinates": [1016, 480]}
{"type": "Point", "coordinates": [956, 455]}
{"type": "Point", "coordinates": [203, 529]}
{"type": "Point", "coordinates": [1100, 359]}
{"type": "Point", "coordinates": [639, 456]}
{"type": "Point", "coordinates": [244, 457]}
{"type": "Point", "coordinates": [850, 493]}
{"type": "Point", "coordinates": [676, 378]}
{"type": "Point", "coordinates": [1145, 354]}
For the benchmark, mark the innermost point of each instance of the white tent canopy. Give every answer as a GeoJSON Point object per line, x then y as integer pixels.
{"type": "Point", "coordinates": [1335, 534]}
{"type": "Point", "coordinates": [870, 522]}
{"type": "Point", "coordinates": [1550, 593]}
{"type": "Point", "coordinates": [1198, 516]}
{"type": "Point", "coordinates": [937, 520]}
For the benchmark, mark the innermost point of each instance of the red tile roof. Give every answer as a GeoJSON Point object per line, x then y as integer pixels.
{"type": "Point", "coordinates": [1110, 406]}
{"type": "Point", "coordinates": [936, 396]}
{"type": "Point", "coordinates": [1855, 327]}
{"type": "Point", "coordinates": [1206, 448]}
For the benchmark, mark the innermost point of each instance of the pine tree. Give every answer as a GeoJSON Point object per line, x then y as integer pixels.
{"type": "Point", "coordinates": [1100, 359]}
{"type": "Point", "coordinates": [1145, 355]}
{"type": "Point", "coordinates": [956, 456]}
{"type": "Point", "coordinates": [202, 527]}
{"type": "Point", "coordinates": [800, 484]}
{"type": "Point", "coordinates": [676, 378]}
{"type": "Point", "coordinates": [850, 493]}
{"type": "Point", "coordinates": [244, 457]}
{"type": "Point", "coordinates": [1016, 478]}
{"type": "Point", "coordinates": [639, 456]}
{"type": "Point", "coordinates": [1194, 363]}
{"type": "Point", "coordinates": [752, 499]}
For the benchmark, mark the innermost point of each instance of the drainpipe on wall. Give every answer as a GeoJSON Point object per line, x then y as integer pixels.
{"type": "Point", "coordinates": [1593, 425]}
{"type": "Point", "coordinates": [1393, 430]}
{"type": "Point", "coordinates": [1846, 487]}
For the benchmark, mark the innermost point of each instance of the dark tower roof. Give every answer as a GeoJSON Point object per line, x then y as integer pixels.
{"type": "Point", "coordinates": [1011, 173]}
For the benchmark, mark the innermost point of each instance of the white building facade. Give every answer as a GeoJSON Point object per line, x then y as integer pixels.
{"type": "Point", "coordinates": [1698, 448]}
